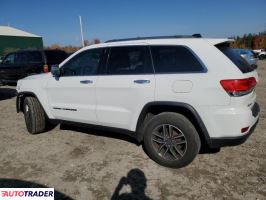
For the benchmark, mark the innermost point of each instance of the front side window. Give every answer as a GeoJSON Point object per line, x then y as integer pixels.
{"type": "Point", "coordinates": [83, 64]}
{"type": "Point", "coordinates": [174, 59]}
{"type": "Point", "coordinates": [10, 59]}
{"type": "Point", "coordinates": [129, 60]}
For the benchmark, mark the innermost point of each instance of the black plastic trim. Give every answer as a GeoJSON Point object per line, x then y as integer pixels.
{"type": "Point", "coordinates": [94, 126]}
{"type": "Point", "coordinates": [175, 104]}
{"type": "Point", "coordinates": [255, 109]}
{"type": "Point", "coordinates": [18, 100]}
{"type": "Point", "coordinates": [232, 141]}
{"type": "Point", "coordinates": [196, 35]}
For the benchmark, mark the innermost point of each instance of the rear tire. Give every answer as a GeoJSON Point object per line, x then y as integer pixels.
{"type": "Point", "coordinates": [34, 115]}
{"type": "Point", "coordinates": [261, 57]}
{"type": "Point", "coordinates": [171, 140]}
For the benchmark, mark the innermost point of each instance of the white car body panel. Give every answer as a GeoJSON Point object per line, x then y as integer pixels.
{"type": "Point", "coordinates": [120, 100]}
{"type": "Point", "coordinates": [116, 101]}
{"type": "Point", "coordinates": [71, 100]}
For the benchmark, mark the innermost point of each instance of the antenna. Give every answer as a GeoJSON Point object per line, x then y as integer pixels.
{"type": "Point", "coordinates": [81, 31]}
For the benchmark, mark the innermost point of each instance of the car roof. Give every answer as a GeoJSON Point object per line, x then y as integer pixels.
{"type": "Point", "coordinates": [159, 41]}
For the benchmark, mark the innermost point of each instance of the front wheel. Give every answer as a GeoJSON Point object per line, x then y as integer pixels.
{"type": "Point", "coordinates": [34, 115]}
{"type": "Point", "coordinates": [171, 140]}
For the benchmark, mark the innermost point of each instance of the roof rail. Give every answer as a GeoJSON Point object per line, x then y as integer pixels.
{"type": "Point", "coordinates": [196, 35]}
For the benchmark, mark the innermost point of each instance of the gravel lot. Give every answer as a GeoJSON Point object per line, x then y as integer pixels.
{"type": "Point", "coordinates": [89, 164]}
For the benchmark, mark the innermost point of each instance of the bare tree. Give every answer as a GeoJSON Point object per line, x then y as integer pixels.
{"type": "Point", "coordinates": [86, 43]}
{"type": "Point", "coordinates": [96, 41]}
{"type": "Point", "coordinates": [55, 46]}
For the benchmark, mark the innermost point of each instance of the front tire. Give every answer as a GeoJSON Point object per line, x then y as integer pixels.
{"type": "Point", "coordinates": [34, 115]}
{"type": "Point", "coordinates": [171, 140]}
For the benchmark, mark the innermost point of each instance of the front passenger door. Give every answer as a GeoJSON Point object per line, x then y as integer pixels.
{"type": "Point", "coordinates": [72, 95]}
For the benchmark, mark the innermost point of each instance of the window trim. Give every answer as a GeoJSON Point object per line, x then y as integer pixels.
{"type": "Point", "coordinates": [204, 68]}
{"type": "Point", "coordinates": [12, 53]}
{"type": "Point", "coordinates": [34, 51]}
{"type": "Point", "coordinates": [99, 67]}
{"type": "Point", "coordinates": [147, 54]}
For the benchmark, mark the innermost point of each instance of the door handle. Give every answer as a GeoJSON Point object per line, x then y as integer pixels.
{"type": "Point", "coordinates": [142, 81]}
{"type": "Point", "coordinates": [86, 81]}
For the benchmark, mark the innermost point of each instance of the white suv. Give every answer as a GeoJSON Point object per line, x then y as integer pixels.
{"type": "Point", "coordinates": [173, 94]}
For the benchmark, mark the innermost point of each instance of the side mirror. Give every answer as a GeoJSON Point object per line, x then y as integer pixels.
{"type": "Point", "coordinates": [55, 70]}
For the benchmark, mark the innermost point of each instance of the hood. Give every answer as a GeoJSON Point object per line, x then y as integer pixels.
{"type": "Point", "coordinates": [37, 76]}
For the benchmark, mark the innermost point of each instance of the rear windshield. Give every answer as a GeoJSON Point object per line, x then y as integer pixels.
{"type": "Point", "coordinates": [55, 57]}
{"type": "Point", "coordinates": [234, 56]}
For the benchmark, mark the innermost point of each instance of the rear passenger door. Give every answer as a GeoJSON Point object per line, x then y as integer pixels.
{"type": "Point", "coordinates": [125, 87]}
{"type": "Point", "coordinates": [178, 71]}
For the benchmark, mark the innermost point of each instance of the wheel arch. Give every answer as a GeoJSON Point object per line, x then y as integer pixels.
{"type": "Point", "coordinates": [178, 107]}
{"type": "Point", "coordinates": [20, 100]}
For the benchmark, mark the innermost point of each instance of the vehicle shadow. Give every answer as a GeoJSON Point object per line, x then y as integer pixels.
{"type": "Point", "coordinates": [7, 93]}
{"type": "Point", "coordinates": [206, 150]}
{"type": "Point", "coordinates": [126, 136]}
{"type": "Point", "coordinates": [138, 183]}
{"type": "Point", "coordinates": [14, 183]}
{"type": "Point", "coordinates": [101, 132]}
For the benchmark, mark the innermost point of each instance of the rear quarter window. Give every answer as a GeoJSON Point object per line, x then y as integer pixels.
{"type": "Point", "coordinates": [175, 59]}
{"type": "Point", "coordinates": [55, 57]}
{"type": "Point", "coordinates": [236, 58]}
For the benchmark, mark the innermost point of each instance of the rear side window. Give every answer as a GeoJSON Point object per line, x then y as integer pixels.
{"type": "Point", "coordinates": [129, 60]}
{"type": "Point", "coordinates": [234, 56]}
{"type": "Point", "coordinates": [174, 59]}
{"type": "Point", "coordinates": [22, 58]}
{"type": "Point", "coordinates": [55, 57]}
{"type": "Point", "coordinates": [35, 56]}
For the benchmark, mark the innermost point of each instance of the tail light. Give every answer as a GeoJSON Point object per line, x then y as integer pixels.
{"type": "Point", "coordinates": [45, 69]}
{"type": "Point", "coordinates": [239, 87]}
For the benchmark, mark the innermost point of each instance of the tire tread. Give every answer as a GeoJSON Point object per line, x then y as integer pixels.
{"type": "Point", "coordinates": [37, 115]}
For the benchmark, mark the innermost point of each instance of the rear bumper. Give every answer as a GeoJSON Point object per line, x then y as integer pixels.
{"type": "Point", "coordinates": [231, 141]}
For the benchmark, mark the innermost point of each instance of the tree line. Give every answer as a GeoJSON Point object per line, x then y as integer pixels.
{"type": "Point", "coordinates": [250, 41]}
{"type": "Point", "coordinates": [247, 41]}
{"type": "Point", "coordinates": [71, 48]}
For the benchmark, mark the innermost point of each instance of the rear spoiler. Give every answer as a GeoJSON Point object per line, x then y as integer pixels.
{"type": "Point", "coordinates": [219, 41]}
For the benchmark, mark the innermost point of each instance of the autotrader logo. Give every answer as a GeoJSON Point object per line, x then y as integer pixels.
{"type": "Point", "coordinates": [27, 193]}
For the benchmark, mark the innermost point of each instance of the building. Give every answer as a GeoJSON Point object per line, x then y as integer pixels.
{"type": "Point", "coordinates": [12, 39]}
